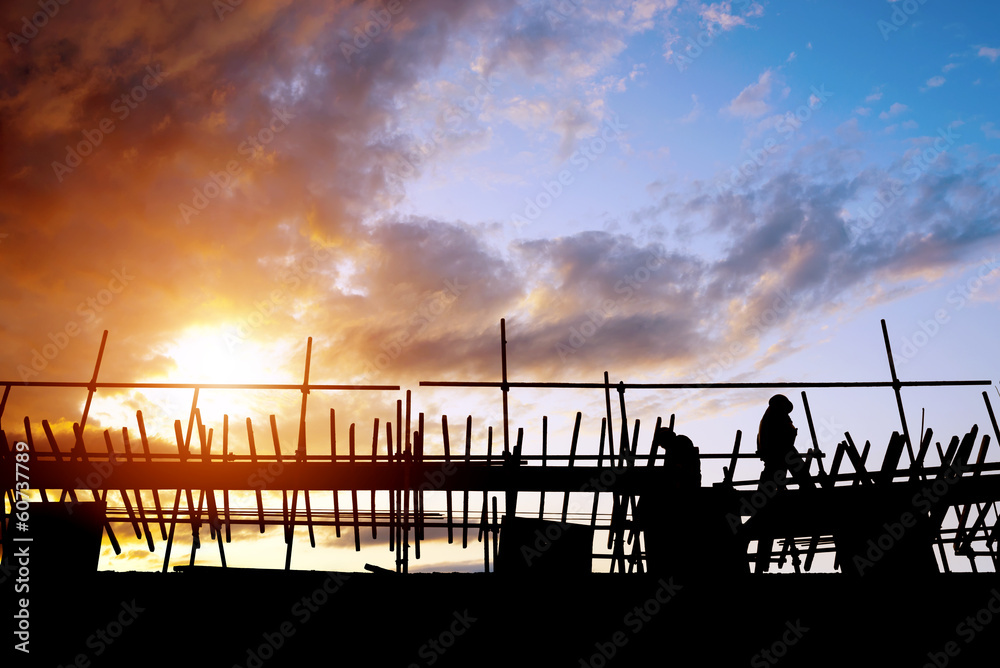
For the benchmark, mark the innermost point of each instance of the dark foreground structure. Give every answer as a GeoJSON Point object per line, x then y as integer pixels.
{"type": "Point", "coordinates": [666, 568]}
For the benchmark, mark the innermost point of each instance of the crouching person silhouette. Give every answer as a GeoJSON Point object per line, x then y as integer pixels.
{"type": "Point", "coordinates": [684, 526]}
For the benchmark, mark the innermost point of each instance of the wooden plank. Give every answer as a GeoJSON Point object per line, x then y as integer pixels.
{"type": "Point", "coordinates": [138, 497]}
{"type": "Point", "coordinates": [156, 492]}
{"type": "Point", "coordinates": [178, 435]}
{"type": "Point", "coordinates": [374, 460]}
{"type": "Point", "coordinates": [447, 458]}
{"type": "Point", "coordinates": [651, 459]}
{"type": "Point", "coordinates": [225, 492]}
{"type": "Point", "coordinates": [32, 453]}
{"type": "Point", "coordinates": [899, 397]}
{"type": "Point", "coordinates": [213, 511]}
{"type": "Point", "coordinates": [253, 460]}
{"type": "Point", "coordinates": [861, 474]}
{"type": "Point", "coordinates": [354, 494]}
{"type": "Point", "coordinates": [730, 471]}
{"type": "Point", "coordinates": [301, 450]}
{"type": "Point", "coordinates": [504, 387]}
{"type": "Point", "coordinates": [392, 492]}
{"type": "Point", "coordinates": [59, 457]}
{"type": "Point", "coordinates": [484, 533]}
{"type": "Point", "coordinates": [125, 500]}
{"type": "Point", "coordinates": [600, 462]}
{"type": "Point", "coordinates": [812, 434]}
{"type": "Point", "coordinates": [333, 461]}
{"type": "Point", "coordinates": [893, 452]}
{"type": "Point", "coordinates": [545, 458]}
{"type": "Point", "coordinates": [572, 458]}
{"type": "Point", "coordinates": [289, 527]}
{"type": "Point", "coordinates": [496, 532]}
{"type": "Point", "coordinates": [465, 493]}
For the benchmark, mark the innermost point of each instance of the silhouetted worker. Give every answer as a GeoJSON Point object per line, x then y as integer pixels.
{"type": "Point", "coordinates": [776, 445]}
{"type": "Point", "coordinates": [686, 535]}
{"type": "Point", "coordinates": [681, 463]}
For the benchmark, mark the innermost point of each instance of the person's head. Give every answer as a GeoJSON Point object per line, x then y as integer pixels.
{"type": "Point", "coordinates": [780, 402]}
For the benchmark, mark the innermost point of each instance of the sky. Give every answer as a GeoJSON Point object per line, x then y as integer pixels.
{"type": "Point", "coordinates": [670, 191]}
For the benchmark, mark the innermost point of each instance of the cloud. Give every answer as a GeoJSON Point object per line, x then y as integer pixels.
{"type": "Point", "coordinates": [934, 82]}
{"type": "Point", "coordinates": [719, 16]}
{"type": "Point", "coordinates": [752, 102]}
{"type": "Point", "coordinates": [989, 52]}
{"type": "Point", "coordinates": [695, 113]}
{"type": "Point", "coordinates": [894, 110]}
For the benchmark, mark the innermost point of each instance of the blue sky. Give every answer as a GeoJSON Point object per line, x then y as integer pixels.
{"type": "Point", "coordinates": [746, 209]}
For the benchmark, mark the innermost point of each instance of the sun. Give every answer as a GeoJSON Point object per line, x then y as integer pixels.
{"type": "Point", "coordinates": [202, 355]}
{"type": "Point", "coordinates": [210, 355]}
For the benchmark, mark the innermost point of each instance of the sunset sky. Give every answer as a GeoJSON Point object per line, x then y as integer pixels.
{"type": "Point", "coordinates": [670, 191]}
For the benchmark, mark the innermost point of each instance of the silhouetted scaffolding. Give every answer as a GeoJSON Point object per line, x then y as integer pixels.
{"type": "Point", "coordinates": [398, 466]}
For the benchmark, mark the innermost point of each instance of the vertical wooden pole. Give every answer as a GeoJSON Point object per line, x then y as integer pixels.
{"type": "Point", "coordinates": [156, 492]}
{"type": "Point", "coordinates": [899, 398]}
{"type": "Point", "coordinates": [225, 492]}
{"type": "Point", "coordinates": [465, 492]}
{"type": "Point", "coordinates": [374, 459]}
{"type": "Point", "coordinates": [138, 496]}
{"type": "Point", "coordinates": [354, 494]}
{"type": "Point", "coordinates": [257, 491]}
{"type": "Point", "coordinates": [504, 387]}
{"type": "Point", "coordinates": [572, 459]}
{"type": "Point", "coordinates": [333, 460]}
{"type": "Point", "coordinates": [545, 458]}
{"type": "Point", "coordinates": [447, 462]}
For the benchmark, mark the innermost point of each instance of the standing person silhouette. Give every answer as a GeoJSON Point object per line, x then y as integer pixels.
{"type": "Point", "coordinates": [776, 445]}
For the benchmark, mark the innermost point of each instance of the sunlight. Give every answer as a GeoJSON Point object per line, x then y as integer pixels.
{"type": "Point", "coordinates": [206, 355]}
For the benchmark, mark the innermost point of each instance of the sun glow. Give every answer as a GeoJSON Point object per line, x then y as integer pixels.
{"type": "Point", "coordinates": [203, 355]}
